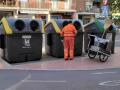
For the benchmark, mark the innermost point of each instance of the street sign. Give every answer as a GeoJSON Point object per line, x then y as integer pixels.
{"type": "Point", "coordinates": [105, 10]}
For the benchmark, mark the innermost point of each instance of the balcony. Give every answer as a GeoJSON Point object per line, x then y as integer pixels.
{"type": "Point", "coordinates": [59, 5]}
{"type": "Point", "coordinates": [47, 5]}
{"type": "Point", "coordinates": [62, 5]}
{"type": "Point", "coordinates": [34, 4]}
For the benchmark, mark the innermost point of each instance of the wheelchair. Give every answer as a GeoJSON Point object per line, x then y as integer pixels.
{"type": "Point", "coordinates": [99, 47]}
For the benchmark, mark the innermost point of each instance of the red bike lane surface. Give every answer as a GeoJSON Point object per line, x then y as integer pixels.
{"type": "Point", "coordinates": [79, 63]}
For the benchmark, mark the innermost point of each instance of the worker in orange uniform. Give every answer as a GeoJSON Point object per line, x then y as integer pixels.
{"type": "Point", "coordinates": [68, 32]}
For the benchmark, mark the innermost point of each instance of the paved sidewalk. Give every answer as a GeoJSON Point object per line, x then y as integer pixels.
{"type": "Point", "coordinates": [79, 63]}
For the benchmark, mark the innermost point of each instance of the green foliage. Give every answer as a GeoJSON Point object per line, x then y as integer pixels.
{"type": "Point", "coordinates": [114, 6]}
{"type": "Point", "coordinates": [117, 21]}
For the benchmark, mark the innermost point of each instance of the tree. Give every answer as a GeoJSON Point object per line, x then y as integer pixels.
{"type": "Point", "coordinates": [114, 6]}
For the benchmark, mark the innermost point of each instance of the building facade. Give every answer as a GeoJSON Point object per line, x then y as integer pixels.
{"type": "Point", "coordinates": [47, 9]}
{"type": "Point", "coordinates": [8, 7]}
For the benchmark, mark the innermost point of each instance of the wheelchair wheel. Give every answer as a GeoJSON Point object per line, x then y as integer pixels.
{"type": "Point", "coordinates": [91, 54]}
{"type": "Point", "coordinates": [103, 58]}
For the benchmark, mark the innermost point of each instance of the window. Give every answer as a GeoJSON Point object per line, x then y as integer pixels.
{"type": "Point", "coordinates": [67, 4]}
{"type": "Point", "coordinates": [39, 3]}
{"type": "Point", "coordinates": [2, 2]}
{"type": "Point", "coordinates": [7, 2]}
{"type": "Point", "coordinates": [54, 4]}
{"type": "Point", "coordinates": [88, 6]}
{"type": "Point", "coordinates": [23, 3]}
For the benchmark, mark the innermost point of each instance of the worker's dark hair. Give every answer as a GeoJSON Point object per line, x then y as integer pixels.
{"type": "Point", "coordinates": [77, 25]}
{"type": "Point", "coordinates": [65, 23]}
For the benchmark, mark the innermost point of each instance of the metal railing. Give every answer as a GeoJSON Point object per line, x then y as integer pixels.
{"type": "Point", "coordinates": [45, 5]}
{"type": "Point", "coordinates": [37, 4]}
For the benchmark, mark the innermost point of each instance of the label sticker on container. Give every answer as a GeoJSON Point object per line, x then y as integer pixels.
{"type": "Point", "coordinates": [26, 41]}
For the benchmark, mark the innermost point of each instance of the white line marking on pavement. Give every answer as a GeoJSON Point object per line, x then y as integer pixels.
{"type": "Point", "coordinates": [15, 86]}
{"type": "Point", "coordinates": [117, 40]}
{"type": "Point", "coordinates": [42, 69]}
{"type": "Point", "coordinates": [42, 81]}
{"type": "Point", "coordinates": [110, 83]}
{"type": "Point", "coordinates": [98, 73]}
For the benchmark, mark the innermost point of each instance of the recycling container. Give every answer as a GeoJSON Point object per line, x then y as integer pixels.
{"type": "Point", "coordinates": [97, 28]}
{"type": "Point", "coordinates": [55, 41]}
{"type": "Point", "coordinates": [22, 39]}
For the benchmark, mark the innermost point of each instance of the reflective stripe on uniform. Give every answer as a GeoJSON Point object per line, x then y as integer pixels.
{"type": "Point", "coordinates": [68, 33]}
{"type": "Point", "coordinates": [71, 53]}
{"type": "Point", "coordinates": [65, 53]}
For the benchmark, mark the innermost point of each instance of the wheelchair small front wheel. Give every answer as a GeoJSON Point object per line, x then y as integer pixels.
{"type": "Point", "coordinates": [92, 54]}
{"type": "Point", "coordinates": [103, 58]}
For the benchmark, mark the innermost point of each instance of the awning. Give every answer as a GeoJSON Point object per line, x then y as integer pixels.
{"type": "Point", "coordinates": [8, 8]}
{"type": "Point", "coordinates": [34, 11]}
{"type": "Point", "coordinates": [63, 11]}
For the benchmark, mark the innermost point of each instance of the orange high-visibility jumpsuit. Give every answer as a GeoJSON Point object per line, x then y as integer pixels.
{"type": "Point", "coordinates": [68, 32]}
